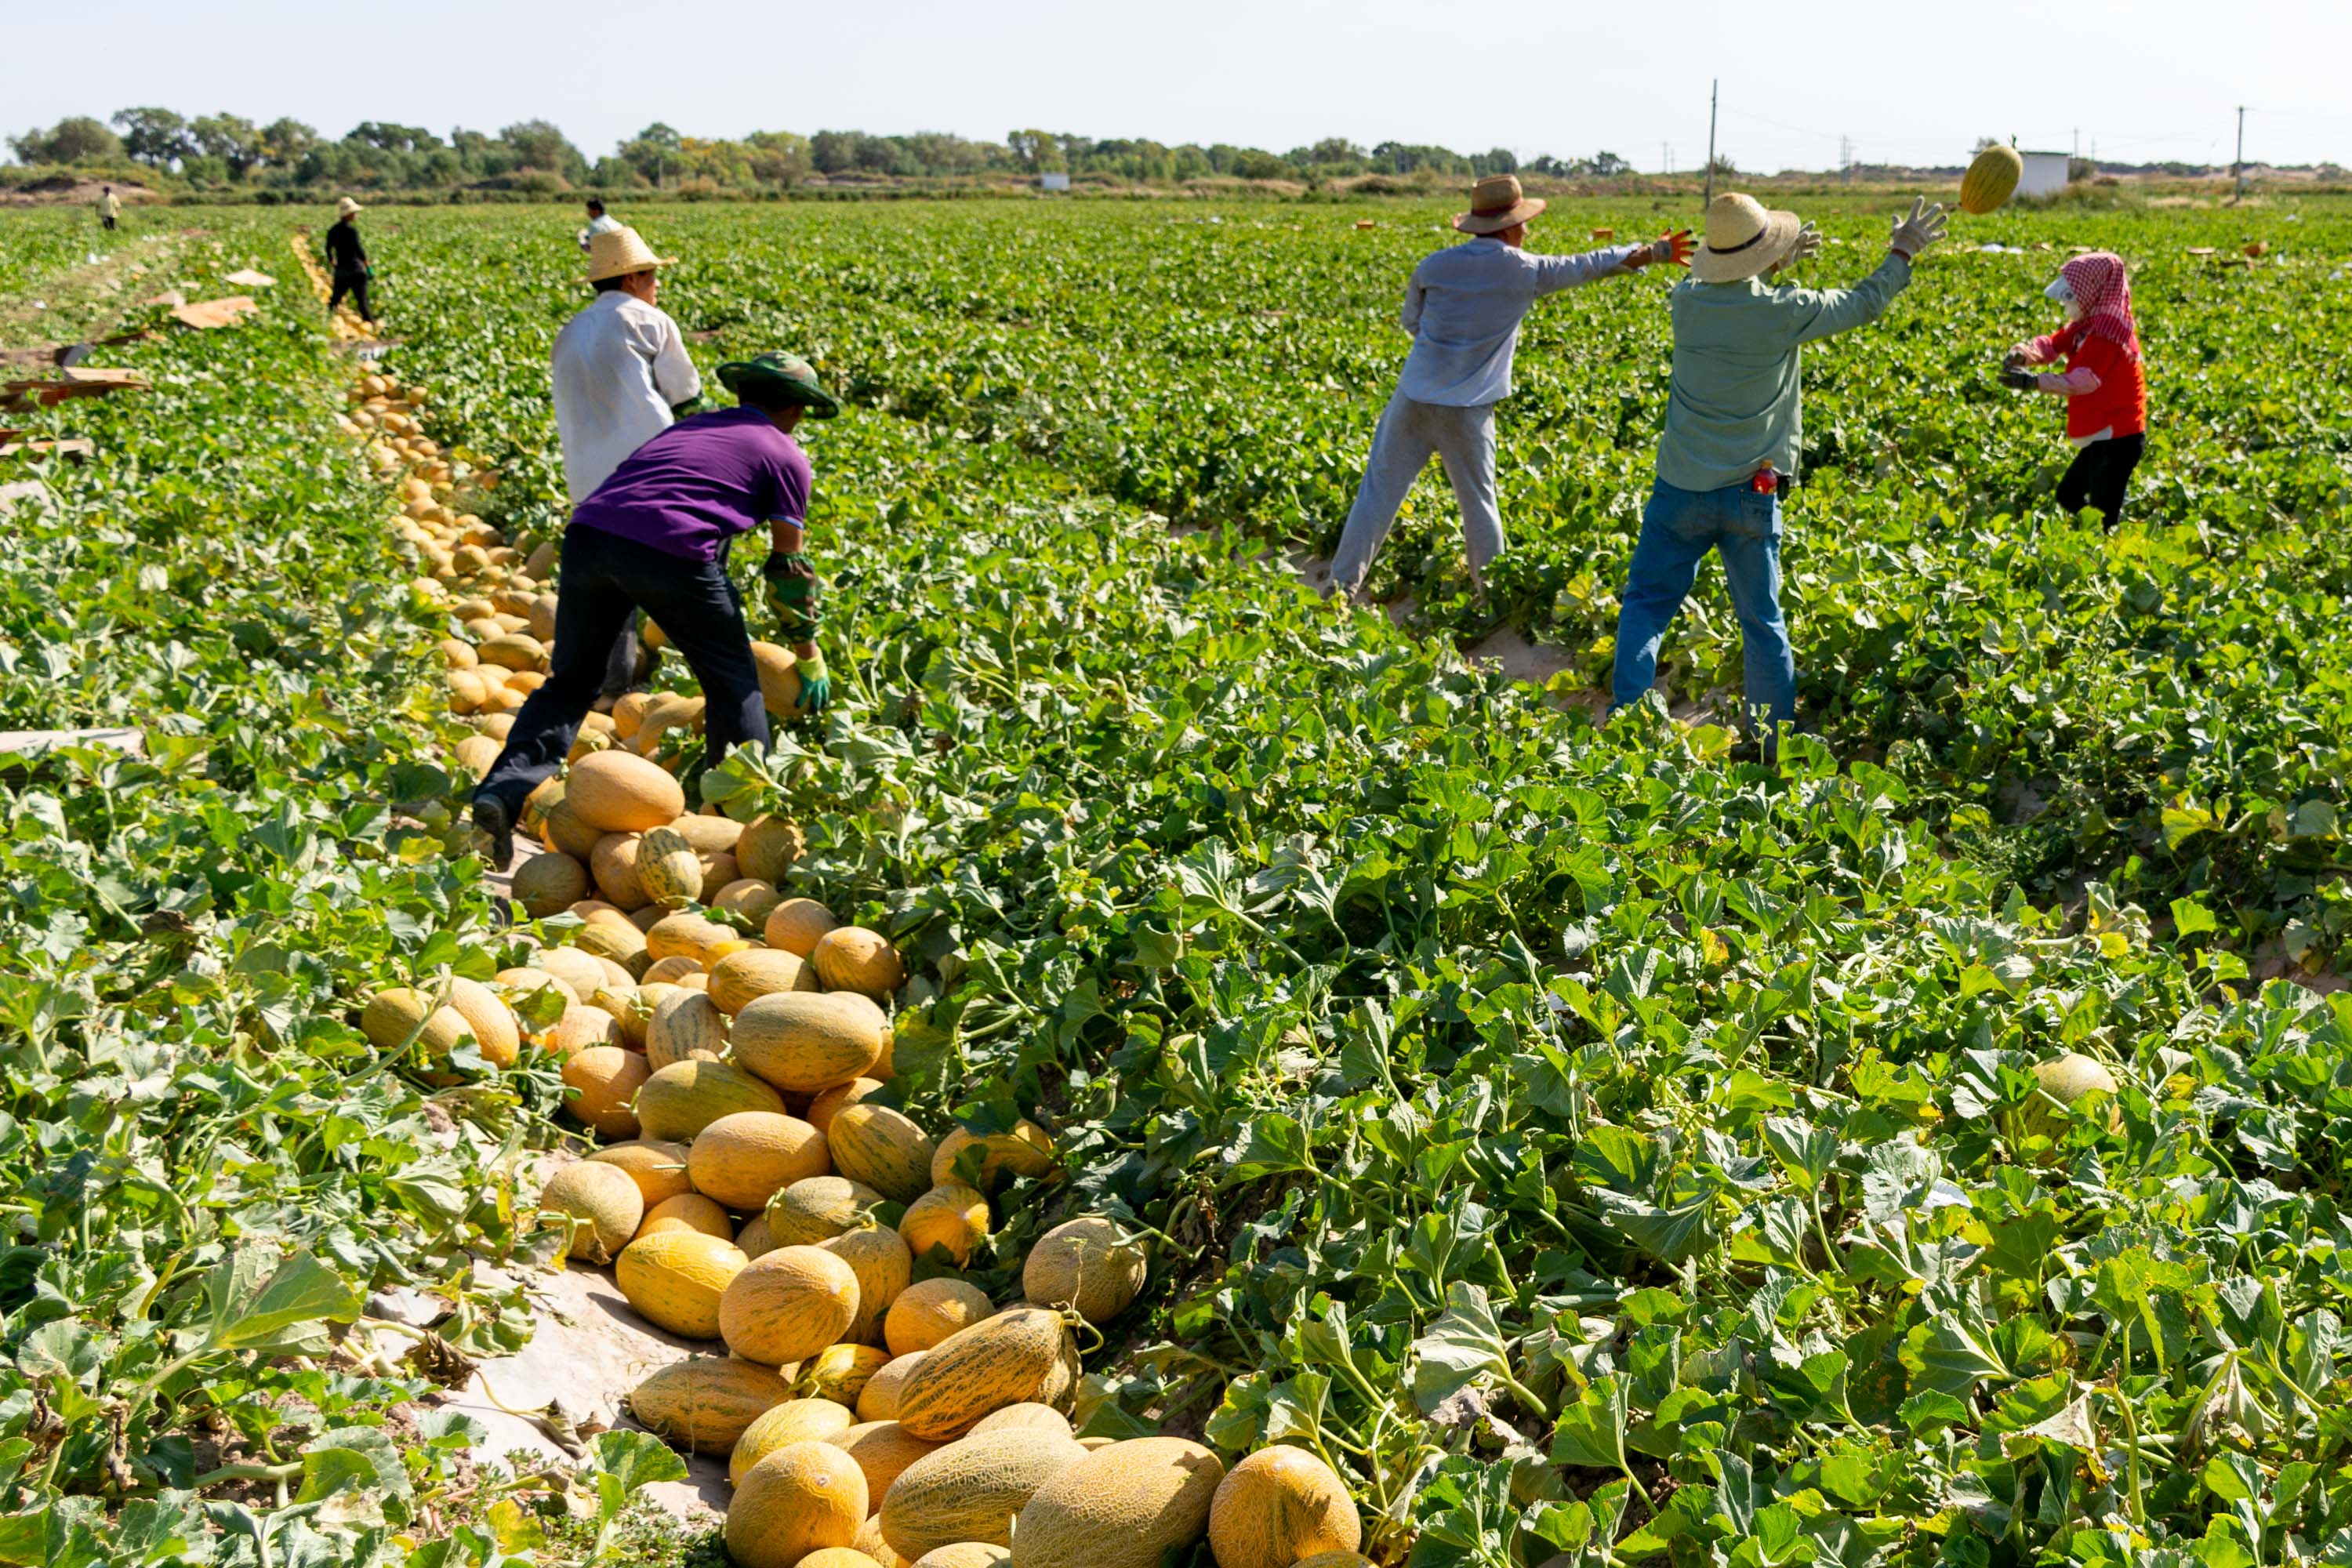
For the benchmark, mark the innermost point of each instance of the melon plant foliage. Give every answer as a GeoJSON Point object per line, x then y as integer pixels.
{"type": "Point", "coordinates": [1594, 1144]}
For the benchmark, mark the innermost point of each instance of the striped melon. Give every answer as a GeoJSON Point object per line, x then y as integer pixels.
{"type": "Point", "coordinates": [1023, 1417]}
{"type": "Point", "coordinates": [1021, 1355]}
{"type": "Point", "coordinates": [746, 902]}
{"type": "Point", "coordinates": [1025, 1150]}
{"type": "Point", "coordinates": [928, 1313]}
{"type": "Point", "coordinates": [622, 945]}
{"type": "Point", "coordinates": [793, 1421]}
{"type": "Point", "coordinates": [802, 1042]}
{"type": "Point", "coordinates": [884, 1268]}
{"type": "Point", "coordinates": [1121, 1507]}
{"type": "Point", "coordinates": [657, 1168]}
{"type": "Point", "coordinates": [965, 1554]}
{"type": "Point", "coordinates": [971, 1490]}
{"type": "Point", "coordinates": [882, 1148]}
{"type": "Point", "coordinates": [674, 1280]}
{"type": "Point", "coordinates": [832, 1101]}
{"type": "Point", "coordinates": [706, 1402]}
{"type": "Point", "coordinates": [746, 1158]}
{"type": "Point", "coordinates": [668, 869]}
{"type": "Point", "coordinates": [951, 1219]}
{"type": "Point", "coordinates": [686, 1027]}
{"type": "Point", "coordinates": [757, 1240]}
{"type": "Point", "coordinates": [584, 1027]}
{"type": "Point", "coordinates": [1334, 1560]}
{"type": "Point", "coordinates": [851, 958]}
{"type": "Point", "coordinates": [1091, 1264]}
{"type": "Point", "coordinates": [1277, 1506]}
{"type": "Point", "coordinates": [602, 1202]}
{"type": "Point", "coordinates": [882, 1449]}
{"type": "Point", "coordinates": [796, 925]}
{"type": "Point", "coordinates": [797, 1500]}
{"type": "Point", "coordinates": [685, 934]}
{"type": "Point", "coordinates": [739, 978]}
{"type": "Point", "coordinates": [633, 1010]}
{"type": "Point", "coordinates": [787, 1305]}
{"type": "Point", "coordinates": [548, 884]}
{"type": "Point", "coordinates": [599, 1085]}
{"type": "Point", "coordinates": [818, 1208]}
{"type": "Point", "coordinates": [879, 1401]}
{"type": "Point", "coordinates": [687, 1211]}
{"type": "Point", "coordinates": [614, 792]}
{"type": "Point", "coordinates": [680, 1100]}
{"type": "Point", "coordinates": [613, 863]}
{"type": "Point", "coordinates": [1992, 178]}
{"type": "Point", "coordinates": [839, 1371]}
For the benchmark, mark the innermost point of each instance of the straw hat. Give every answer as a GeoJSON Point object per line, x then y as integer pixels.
{"type": "Point", "coordinates": [1743, 238]}
{"type": "Point", "coordinates": [1497, 203]}
{"type": "Point", "coordinates": [346, 208]}
{"type": "Point", "coordinates": [618, 252]}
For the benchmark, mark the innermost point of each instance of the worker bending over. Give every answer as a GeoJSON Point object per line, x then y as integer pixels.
{"type": "Point", "coordinates": [1464, 308]}
{"type": "Point", "coordinates": [1735, 423]}
{"type": "Point", "coordinates": [620, 377]}
{"type": "Point", "coordinates": [654, 537]}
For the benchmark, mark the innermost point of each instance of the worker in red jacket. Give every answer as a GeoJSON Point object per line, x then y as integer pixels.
{"type": "Point", "coordinates": [2104, 385]}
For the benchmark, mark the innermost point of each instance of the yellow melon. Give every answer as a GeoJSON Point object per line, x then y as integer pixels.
{"type": "Point", "coordinates": [965, 1554]}
{"type": "Point", "coordinates": [787, 1305]}
{"type": "Point", "coordinates": [687, 1211]}
{"type": "Point", "coordinates": [1277, 1506]}
{"type": "Point", "coordinates": [832, 1101]}
{"type": "Point", "coordinates": [707, 1402]}
{"type": "Point", "coordinates": [564, 833]}
{"type": "Point", "coordinates": [613, 863]}
{"type": "Point", "coordinates": [1991, 179]}
{"type": "Point", "coordinates": [1020, 1417]}
{"type": "Point", "coordinates": [685, 934]}
{"type": "Point", "coordinates": [686, 1027]}
{"type": "Point", "coordinates": [603, 1083]}
{"type": "Point", "coordinates": [884, 1268]}
{"type": "Point", "coordinates": [580, 971]}
{"type": "Point", "coordinates": [1334, 1560]}
{"type": "Point", "coordinates": [878, 1400]}
{"type": "Point", "coordinates": [657, 1168]}
{"type": "Point", "coordinates": [972, 1490]}
{"type": "Point", "coordinates": [799, 1499]}
{"type": "Point", "coordinates": [1021, 1355]}
{"type": "Point", "coordinates": [747, 1157]}
{"type": "Point", "coordinates": [584, 1029]}
{"type": "Point", "coordinates": [616, 792]}
{"type": "Point", "coordinates": [818, 1208]}
{"type": "Point", "coordinates": [1092, 1264]}
{"type": "Point", "coordinates": [882, 1148]}
{"type": "Point", "coordinates": [404, 1016]}
{"type": "Point", "coordinates": [667, 868]}
{"type": "Point", "coordinates": [746, 903]}
{"type": "Point", "coordinates": [548, 884]}
{"type": "Point", "coordinates": [496, 1033]}
{"type": "Point", "coordinates": [804, 1042]}
{"type": "Point", "coordinates": [1121, 1507]}
{"type": "Point", "coordinates": [1025, 1150]}
{"type": "Point", "coordinates": [928, 1312]}
{"type": "Point", "coordinates": [667, 971]}
{"type": "Point", "coordinates": [797, 925]}
{"type": "Point", "coordinates": [840, 1372]}
{"type": "Point", "coordinates": [674, 1280]}
{"type": "Point", "coordinates": [953, 1218]}
{"type": "Point", "coordinates": [756, 1239]}
{"type": "Point", "coordinates": [519, 981]}
{"type": "Point", "coordinates": [851, 958]}
{"type": "Point", "coordinates": [684, 1097]}
{"type": "Point", "coordinates": [710, 832]}
{"type": "Point", "coordinates": [603, 1203]}
{"type": "Point", "coordinates": [751, 973]}
{"type": "Point", "coordinates": [882, 1449]}
{"type": "Point", "coordinates": [838, 1557]}
{"type": "Point", "coordinates": [798, 1420]}
{"type": "Point", "coordinates": [870, 1542]}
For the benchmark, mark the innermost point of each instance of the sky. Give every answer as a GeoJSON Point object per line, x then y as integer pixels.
{"type": "Point", "coordinates": [2137, 81]}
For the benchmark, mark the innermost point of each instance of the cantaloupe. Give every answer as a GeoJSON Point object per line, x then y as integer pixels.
{"type": "Point", "coordinates": [1121, 1507]}
{"type": "Point", "coordinates": [882, 1148]}
{"type": "Point", "coordinates": [1091, 1264]}
{"type": "Point", "coordinates": [971, 1490]}
{"type": "Point", "coordinates": [1334, 1560]}
{"type": "Point", "coordinates": [474, 755]}
{"type": "Point", "coordinates": [622, 945]}
{"type": "Point", "coordinates": [685, 934]}
{"type": "Point", "coordinates": [395, 1014]}
{"type": "Point", "coordinates": [787, 1305]}
{"type": "Point", "coordinates": [667, 971]}
{"type": "Point", "coordinates": [1992, 178]}
{"type": "Point", "coordinates": [613, 863]}
{"type": "Point", "coordinates": [614, 792]}
{"type": "Point", "coordinates": [669, 868]}
{"type": "Point", "coordinates": [676, 1280]}
{"type": "Point", "coordinates": [832, 1101]}
{"type": "Point", "coordinates": [2066, 1079]}
{"type": "Point", "coordinates": [584, 1029]}
{"type": "Point", "coordinates": [1025, 1150]}
{"type": "Point", "coordinates": [1021, 1355]}
{"type": "Point", "coordinates": [687, 1211]}
{"type": "Point", "coordinates": [580, 971]}
{"type": "Point", "coordinates": [803, 1497]}
{"type": "Point", "coordinates": [797, 925]}
{"type": "Point", "coordinates": [746, 903]}
{"type": "Point", "coordinates": [757, 1240]}
{"type": "Point", "coordinates": [548, 884]}
{"type": "Point", "coordinates": [1279, 1505]}
{"type": "Point", "coordinates": [965, 1554]}
{"type": "Point", "coordinates": [953, 1219]}
{"type": "Point", "coordinates": [603, 1083]}
{"type": "Point", "coordinates": [707, 1402]}
{"type": "Point", "coordinates": [521, 980]}
{"type": "Point", "coordinates": [496, 1033]}
{"type": "Point", "coordinates": [838, 1557]}
{"type": "Point", "coordinates": [839, 1371]}
{"type": "Point", "coordinates": [657, 1168]}
{"type": "Point", "coordinates": [804, 1042]}
{"type": "Point", "coordinates": [884, 1268]}
{"type": "Point", "coordinates": [746, 1158]}
{"type": "Point", "coordinates": [603, 1203]}
{"type": "Point", "coordinates": [751, 973]}
{"type": "Point", "coordinates": [793, 1421]}
{"type": "Point", "coordinates": [818, 1208]}
{"type": "Point", "coordinates": [878, 1400]}
{"type": "Point", "coordinates": [710, 832]}
{"type": "Point", "coordinates": [882, 1449]}
{"type": "Point", "coordinates": [851, 958]}
{"type": "Point", "coordinates": [870, 1542]}
{"type": "Point", "coordinates": [930, 1311]}
{"type": "Point", "coordinates": [565, 833]}
{"type": "Point", "coordinates": [687, 1025]}
{"type": "Point", "coordinates": [680, 1100]}
{"type": "Point", "coordinates": [1022, 1418]}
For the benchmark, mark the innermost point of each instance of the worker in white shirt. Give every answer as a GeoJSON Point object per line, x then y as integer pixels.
{"type": "Point", "coordinates": [598, 223]}
{"type": "Point", "coordinates": [621, 377]}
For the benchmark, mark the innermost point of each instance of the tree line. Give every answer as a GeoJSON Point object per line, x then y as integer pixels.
{"type": "Point", "coordinates": [229, 151]}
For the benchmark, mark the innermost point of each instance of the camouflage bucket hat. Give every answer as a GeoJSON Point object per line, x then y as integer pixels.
{"type": "Point", "coordinates": [779, 377]}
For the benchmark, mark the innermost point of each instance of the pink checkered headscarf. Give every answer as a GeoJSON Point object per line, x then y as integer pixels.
{"type": "Point", "coordinates": [2103, 292]}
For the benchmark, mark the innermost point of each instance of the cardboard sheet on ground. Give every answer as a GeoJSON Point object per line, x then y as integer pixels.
{"type": "Point", "coordinates": [246, 278]}
{"type": "Point", "coordinates": [214, 313]}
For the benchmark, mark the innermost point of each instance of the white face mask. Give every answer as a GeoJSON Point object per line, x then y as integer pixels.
{"type": "Point", "coordinates": [2074, 309]}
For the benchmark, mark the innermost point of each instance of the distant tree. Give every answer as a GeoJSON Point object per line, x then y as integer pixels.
{"type": "Point", "coordinates": [779, 157]}
{"type": "Point", "coordinates": [77, 139]}
{"type": "Point", "coordinates": [653, 152]}
{"type": "Point", "coordinates": [1499, 161]}
{"type": "Point", "coordinates": [1609, 166]}
{"type": "Point", "coordinates": [538, 145]}
{"type": "Point", "coordinates": [387, 137]}
{"type": "Point", "coordinates": [1254, 164]}
{"type": "Point", "coordinates": [1721, 166]}
{"type": "Point", "coordinates": [232, 139]}
{"type": "Point", "coordinates": [156, 137]}
{"type": "Point", "coordinates": [832, 151]}
{"type": "Point", "coordinates": [284, 141]}
{"type": "Point", "coordinates": [1036, 151]}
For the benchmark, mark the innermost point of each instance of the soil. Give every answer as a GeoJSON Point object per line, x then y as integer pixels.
{"type": "Point", "coordinates": [61, 190]}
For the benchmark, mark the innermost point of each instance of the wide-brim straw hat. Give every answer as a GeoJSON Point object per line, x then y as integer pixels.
{"type": "Point", "coordinates": [1497, 203]}
{"type": "Point", "coordinates": [618, 252]}
{"type": "Point", "coordinates": [782, 377]}
{"type": "Point", "coordinates": [346, 208]}
{"type": "Point", "coordinates": [1744, 237]}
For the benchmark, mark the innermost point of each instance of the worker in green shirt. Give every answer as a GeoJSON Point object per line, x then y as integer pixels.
{"type": "Point", "coordinates": [1735, 422]}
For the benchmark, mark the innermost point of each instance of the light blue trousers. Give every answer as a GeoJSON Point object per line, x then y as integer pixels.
{"type": "Point", "coordinates": [1409, 432]}
{"type": "Point", "coordinates": [1678, 528]}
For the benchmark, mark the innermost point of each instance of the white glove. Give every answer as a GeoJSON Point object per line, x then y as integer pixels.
{"type": "Point", "coordinates": [1807, 245]}
{"type": "Point", "coordinates": [1923, 228]}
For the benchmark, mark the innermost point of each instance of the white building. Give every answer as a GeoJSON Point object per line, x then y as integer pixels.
{"type": "Point", "coordinates": [1053, 181]}
{"type": "Point", "coordinates": [2045, 173]}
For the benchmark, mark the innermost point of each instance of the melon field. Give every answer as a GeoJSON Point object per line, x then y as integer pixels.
{"type": "Point", "coordinates": [1168, 1072]}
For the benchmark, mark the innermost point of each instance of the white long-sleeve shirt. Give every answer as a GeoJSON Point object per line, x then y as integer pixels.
{"type": "Point", "coordinates": [618, 367]}
{"type": "Point", "coordinates": [1464, 307]}
{"type": "Point", "coordinates": [603, 222]}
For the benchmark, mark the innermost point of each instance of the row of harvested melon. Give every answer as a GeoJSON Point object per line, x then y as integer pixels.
{"type": "Point", "coordinates": [345, 325]}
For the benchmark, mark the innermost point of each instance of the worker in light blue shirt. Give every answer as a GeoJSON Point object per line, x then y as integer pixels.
{"type": "Point", "coordinates": [1464, 308]}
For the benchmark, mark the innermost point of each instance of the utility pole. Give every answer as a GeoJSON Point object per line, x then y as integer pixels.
{"type": "Point", "coordinates": [1845, 157]}
{"type": "Point", "coordinates": [1665, 159]}
{"type": "Point", "coordinates": [1712, 89]}
{"type": "Point", "coordinates": [2238, 169]}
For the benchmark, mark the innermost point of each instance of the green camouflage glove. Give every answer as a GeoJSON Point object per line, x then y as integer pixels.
{"type": "Point", "coordinates": [793, 590]}
{"type": "Point", "coordinates": [816, 685]}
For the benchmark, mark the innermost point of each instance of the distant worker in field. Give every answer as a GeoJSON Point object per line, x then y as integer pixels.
{"type": "Point", "coordinates": [1734, 424]}
{"type": "Point", "coordinates": [654, 537]}
{"type": "Point", "coordinates": [620, 377]}
{"type": "Point", "coordinates": [597, 222]}
{"type": "Point", "coordinates": [2104, 383]}
{"type": "Point", "coordinates": [348, 260]}
{"type": "Point", "coordinates": [1464, 307]}
{"type": "Point", "coordinates": [110, 208]}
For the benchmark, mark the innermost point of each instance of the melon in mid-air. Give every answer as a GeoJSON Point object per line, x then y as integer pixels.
{"type": "Point", "coordinates": [1991, 179]}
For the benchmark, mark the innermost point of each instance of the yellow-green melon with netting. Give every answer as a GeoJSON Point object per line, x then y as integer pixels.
{"type": "Point", "coordinates": [603, 1203]}
{"type": "Point", "coordinates": [707, 1402]}
{"type": "Point", "coordinates": [1991, 179]}
{"type": "Point", "coordinates": [793, 1421]}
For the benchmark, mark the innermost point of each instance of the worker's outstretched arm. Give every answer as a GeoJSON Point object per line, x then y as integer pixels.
{"type": "Point", "coordinates": [1825, 313]}
{"type": "Point", "coordinates": [795, 590]}
{"type": "Point", "coordinates": [1557, 272]}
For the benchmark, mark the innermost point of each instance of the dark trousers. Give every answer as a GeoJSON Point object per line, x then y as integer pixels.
{"type": "Point", "coordinates": [109, 223]}
{"type": "Point", "coordinates": [605, 580]}
{"type": "Point", "coordinates": [356, 284]}
{"type": "Point", "coordinates": [2097, 476]}
{"type": "Point", "coordinates": [621, 666]}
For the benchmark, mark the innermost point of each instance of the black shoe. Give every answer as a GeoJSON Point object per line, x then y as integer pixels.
{"type": "Point", "coordinates": [490, 815]}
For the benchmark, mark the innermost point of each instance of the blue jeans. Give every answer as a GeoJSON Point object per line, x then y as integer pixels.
{"type": "Point", "coordinates": [1678, 528]}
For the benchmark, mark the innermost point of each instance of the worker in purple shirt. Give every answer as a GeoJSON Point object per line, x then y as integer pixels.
{"type": "Point", "coordinates": [653, 537]}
